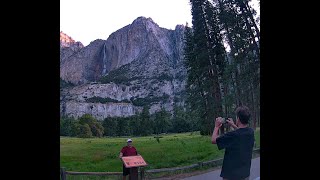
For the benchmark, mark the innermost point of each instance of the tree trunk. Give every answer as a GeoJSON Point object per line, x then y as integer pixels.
{"type": "Point", "coordinates": [206, 118]}
{"type": "Point", "coordinates": [253, 108]}
{"type": "Point", "coordinates": [217, 97]}
{"type": "Point", "coordinates": [237, 87]}
{"type": "Point", "coordinates": [213, 71]}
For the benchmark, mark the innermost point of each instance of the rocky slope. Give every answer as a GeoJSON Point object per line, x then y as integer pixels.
{"type": "Point", "coordinates": [68, 47]}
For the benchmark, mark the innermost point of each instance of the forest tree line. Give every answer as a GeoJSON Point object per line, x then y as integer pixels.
{"type": "Point", "coordinates": [142, 124]}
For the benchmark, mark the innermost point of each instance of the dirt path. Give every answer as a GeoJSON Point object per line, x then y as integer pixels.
{"type": "Point", "coordinates": [214, 173]}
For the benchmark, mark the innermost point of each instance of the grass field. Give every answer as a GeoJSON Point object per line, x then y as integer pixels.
{"type": "Point", "coordinates": [101, 154]}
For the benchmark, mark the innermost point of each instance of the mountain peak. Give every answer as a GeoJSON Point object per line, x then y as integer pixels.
{"type": "Point", "coordinates": [67, 41]}
{"type": "Point", "coordinates": [143, 20]}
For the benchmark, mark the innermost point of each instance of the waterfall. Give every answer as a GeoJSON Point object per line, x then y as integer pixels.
{"type": "Point", "coordinates": [104, 60]}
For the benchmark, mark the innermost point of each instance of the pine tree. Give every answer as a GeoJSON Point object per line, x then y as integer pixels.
{"type": "Point", "coordinates": [123, 126]}
{"type": "Point", "coordinates": [67, 126]}
{"type": "Point", "coordinates": [135, 125]}
{"type": "Point", "coordinates": [110, 126]}
{"type": "Point", "coordinates": [146, 122]}
{"type": "Point", "coordinates": [196, 99]}
{"type": "Point", "coordinates": [180, 122]}
{"type": "Point", "coordinates": [241, 34]}
{"type": "Point", "coordinates": [161, 121]}
{"type": "Point", "coordinates": [206, 61]}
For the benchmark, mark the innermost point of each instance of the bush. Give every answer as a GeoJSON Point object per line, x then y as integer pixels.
{"type": "Point", "coordinates": [117, 76]}
{"type": "Point", "coordinates": [126, 101]}
{"type": "Point", "coordinates": [68, 127]}
{"type": "Point", "coordinates": [164, 77]}
{"type": "Point", "coordinates": [65, 84]}
{"type": "Point", "coordinates": [96, 99]}
{"type": "Point", "coordinates": [85, 131]}
{"type": "Point", "coordinates": [95, 127]}
{"type": "Point", "coordinates": [136, 125]}
{"type": "Point", "coordinates": [148, 100]}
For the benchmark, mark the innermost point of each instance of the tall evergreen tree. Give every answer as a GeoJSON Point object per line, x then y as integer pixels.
{"type": "Point", "coordinates": [135, 125]}
{"type": "Point", "coordinates": [162, 121]}
{"type": "Point", "coordinates": [206, 62]}
{"type": "Point", "coordinates": [197, 101]}
{"type": "Point", "coordinates": [123, 126]}
{"type": "Point", "coordinates": [67, 126]}
{"type": "Point", "coordinates": [180, 120]}
{"type": "Point", "coordinates": [146, 122]}
{"type": "Point", "coordinates": [241, 34]}
{"type": "Point", "coordinates": [110, 126]}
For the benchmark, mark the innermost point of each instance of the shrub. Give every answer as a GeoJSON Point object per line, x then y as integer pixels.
{"type": "Point", "coordinates": [65, 84]}
{"type": "Point", "coordinates": [148, 100]}
{"type": "Point", "coordinates": [96, 99]}
{"type": "Point", "coordinates": [85, 131]}
{"type": "Point", "coordinates": [95, 127]}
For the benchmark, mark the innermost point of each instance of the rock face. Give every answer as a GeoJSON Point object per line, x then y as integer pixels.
{"type": "Point", "coordinates": [140, 64]}
{"type": "Point", "coordinates": [68, 47]}
{"type": "Point", "coordinates": [83, 65]}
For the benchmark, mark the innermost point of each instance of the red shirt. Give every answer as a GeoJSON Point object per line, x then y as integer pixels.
{"type": "Point", "coordinates": [129, 151]}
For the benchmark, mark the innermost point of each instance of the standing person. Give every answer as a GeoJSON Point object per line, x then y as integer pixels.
{"type": "Point", "coordinates": [128, 150]}
{"type": "Point", "coordinates": [238, 145]}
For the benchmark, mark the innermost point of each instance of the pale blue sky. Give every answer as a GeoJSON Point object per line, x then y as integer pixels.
{"type": "Point", "coordinates": [88, 20]}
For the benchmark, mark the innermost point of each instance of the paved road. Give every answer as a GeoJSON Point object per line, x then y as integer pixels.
{"type": "Point", "coordinates": [254, 172]}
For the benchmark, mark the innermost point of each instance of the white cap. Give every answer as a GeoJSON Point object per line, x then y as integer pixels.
{"type": "Point", "coordinates": [129, 140]}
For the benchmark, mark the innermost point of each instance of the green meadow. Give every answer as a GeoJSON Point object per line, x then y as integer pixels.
{"type": "Point", "coordinates": [173, 150]}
